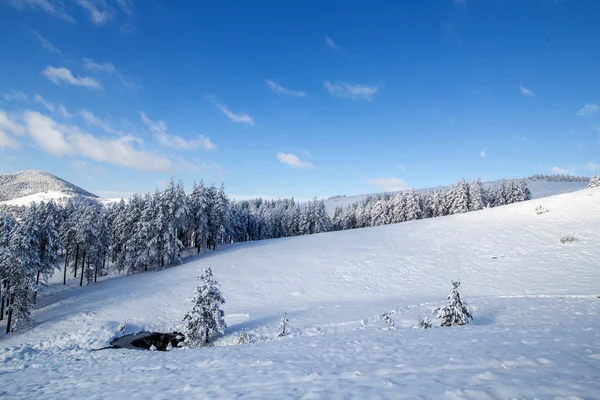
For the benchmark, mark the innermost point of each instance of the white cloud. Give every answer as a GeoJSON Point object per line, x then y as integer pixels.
{"type": "Point", "coordinates": [52, 7]}
{"type": "Point", "coordinates": [483, 153]}
{"type": "Point", "coordinates": [293, 160]}
{"type": "Point", "coordinates": [329, 42]}
{"type": "Point", "coordinates": [241, 118]}
{"type": "Point", "coordinates": [8, 125]}
{"type": "Point", "coordinates": [46, 43]}
{"type": "Point", "coordinates": [590, 166]}
{"type": "Point", "coordinates": [108, 68]}
{"type": "Point", "coordinates": [277, 88]}
{"type": "Point", "coordinates": [525, 91]}
{"type": "Point", "coordinates": [588, 110]}
{"type": "Point", "coordinates": [16, 95]}
{"type": "Point", "coordinates": [401, 167]}
{"type": "Point", "coordinates": [62, 74]}
{"type": "Point", "coordinates": [44, 132]}
{"type": "Point", "coordinates": [97, 9]}
{"type": "Point", "coordinates": [391, 184]}
{"type": "Point", "coordinates": [60, 140]}
{"type": "Point", "coordinates": [347, 90]}
{"type": "Point", "coordinates": [159, 128]}
{"type": "Point", "coordinates": [306, 153]}
{"type": "Point", "coordinates": [558, 170]}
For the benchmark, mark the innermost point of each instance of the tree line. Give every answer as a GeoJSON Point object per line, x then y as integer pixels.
{"type": "Point", "coordinates": [86, 239]}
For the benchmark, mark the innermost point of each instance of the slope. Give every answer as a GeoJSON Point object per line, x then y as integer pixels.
{"type": "Point", "coordinates": [536, 331]}
{"type": "Point", "coordinates": [27, 184]}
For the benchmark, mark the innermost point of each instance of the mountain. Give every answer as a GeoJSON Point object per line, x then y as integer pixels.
{"type": "Point", "coordinates": [535, 332]}
{"type": "Point", "coordinates": [24, 187]}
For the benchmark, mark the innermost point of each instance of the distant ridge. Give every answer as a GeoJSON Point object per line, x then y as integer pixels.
{"type": "Point", "coordinates": [25, 183]}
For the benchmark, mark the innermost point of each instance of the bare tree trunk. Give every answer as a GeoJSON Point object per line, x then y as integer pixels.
{"type": "Point", "coordinates": [96, 271]}
{"type": "Point", "coordinates": [76, 259]}
{"type": "Point", "coordinates": [12, 298]}
{"type": "Point", "coordinates": [66, 266]}
{"type": "Point", "coordinates": [37, 280]}
{"type": "Point", "coordinates": [82, 267]}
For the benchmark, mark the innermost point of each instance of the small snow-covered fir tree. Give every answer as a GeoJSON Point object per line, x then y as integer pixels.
{"type": "Point", "coordinates": [595, 181]}
{"type": "Point", "coordinates": [283, 326]}
{"type": "Point", "coordinates": [206, 317]}
{"type": "Point", "coordinates": [456, 311]}
{"type": "Point", "coordinates": [387, 317]}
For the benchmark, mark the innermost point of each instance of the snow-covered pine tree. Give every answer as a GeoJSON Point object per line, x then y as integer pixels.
{"type": "Point", "coordinates": [437, 203]}
{"type": "Point", "coordinates": [206, 317]}
{"type": "Point", "coordinates": [283, 326]}
{"type": "Point", "coordinates": [49, 219]}
{"type": "Point", "coordinates": [413, 209]}
{"type": "Point", "coordinates": [456, 311]}
{"type": "Point", "coordinates": [198, 209]}
{"type": "Point", "coordinates": [457, 198]}
{"type": "Point", "coordinates": [20, 265]}
{"type": "Point", "coordinates": [476, 199]}
{"type": "Point", "coordinates": [594, 181]}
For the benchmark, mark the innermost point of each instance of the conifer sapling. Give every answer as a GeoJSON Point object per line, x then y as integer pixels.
{"type": "Point", "coordinates": [283, 326]}
{"type": "Point", "coordinates": [206, 317]}
{"type": "Point", "coordinates": [456, 311]}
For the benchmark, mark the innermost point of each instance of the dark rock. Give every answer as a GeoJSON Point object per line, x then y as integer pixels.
{"type": "Point", "coordinates": [144, 340]}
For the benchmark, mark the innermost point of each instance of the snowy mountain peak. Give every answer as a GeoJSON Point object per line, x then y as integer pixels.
{"type": "Point", "coordinates": [36, 183]}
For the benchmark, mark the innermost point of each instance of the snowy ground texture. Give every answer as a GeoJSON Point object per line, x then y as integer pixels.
{"type": "Point", "coordinates": [536, 332]}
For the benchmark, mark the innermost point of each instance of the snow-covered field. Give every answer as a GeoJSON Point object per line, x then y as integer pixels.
{"type": "Point", "coordinates": [535, 334]}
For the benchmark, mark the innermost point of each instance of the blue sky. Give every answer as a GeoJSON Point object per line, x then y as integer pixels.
{"type": "Point", "coordinates": [299, 98]}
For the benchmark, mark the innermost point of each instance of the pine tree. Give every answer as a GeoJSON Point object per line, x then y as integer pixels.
{"type": "Point", "coordinates": [413, 209]}
{"type": "Point", "coordinates": [206, 317]}
{"type": "Point", "coordinates": [456, 311]}
{"type": "Point", "coordinates": [457, 198]}
{"type": "Point", "coordinates": [283, 325]}
{"type": "Point", "coordinates": [595, 181]}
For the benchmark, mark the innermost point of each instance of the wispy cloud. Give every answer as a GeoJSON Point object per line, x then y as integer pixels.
{"type": "Point", "coordinates": [159, 129]}
{"type": "Point", "coordinates": [16, 95]}
{"type": "Point", "coordinates": [60, 109]}
{"type": "Point", "coordinates": [577, 169]}
{"type": "Point", "coordinates": [127, 6]}
{"type": "Point", "coordinates": [483, 153]}
{"type": "Point", "coordinates": [293, 161]}
{"type": "Point", "coordinates": [588, 110]}
{"type": "Point", "coordinates": [241, 118]}
{"type": "Point", "coordinates": [52, 7]}
{"type": "Point", "coordinates": [329, 42]}
{"type": "Point", "coordinates": [46, 43]}
{"type": "Point", "coordinates": [64, 75]}
{"type": "Point", "coordinates": [390, 184]}
{"type": "Point", "coordinates": [91, 119]}
{"type": "Point", "coordinates": [347, 90]}
{"type": "Point", "coordinates": [401, 167]}
{"type": "Point", "coordinates": [98, 10]}
{"type": "Point", "coordinates": [277, 88]}
{"type": "Point", "coordinates": [106, 67]}
{"type": "Point", "coordinates": [525, 91]}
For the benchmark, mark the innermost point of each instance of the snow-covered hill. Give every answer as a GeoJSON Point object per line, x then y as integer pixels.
{"type": "Point", "coordinates": [535, 334]}
{"type": "Point", "coordinates": [24, 187]}
{"type": "Point", "coordinates": [538, 188]}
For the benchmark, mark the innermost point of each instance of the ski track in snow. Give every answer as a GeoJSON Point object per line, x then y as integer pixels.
{"type": "Point", "coordinates": [535, 334]}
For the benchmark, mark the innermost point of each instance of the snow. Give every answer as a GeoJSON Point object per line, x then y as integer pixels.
{"type": "Point", "coordinates": [534, 300]}
{"type": "Point", "coordinates": [37, 198]}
